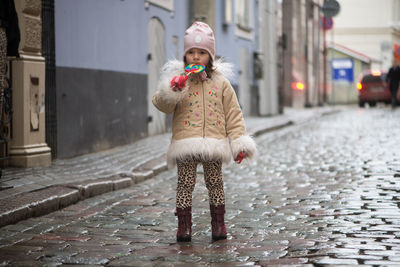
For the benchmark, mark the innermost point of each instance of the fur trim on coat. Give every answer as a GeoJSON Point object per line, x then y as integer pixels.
{"type": "Point", "coordinates": [244, 143]}
{"type": "Point", "coordinates": [175, 68]}
{"type": "Point", "coordinates": [204, 148]}
{"type": "Point", "coordinates": [170, 69]}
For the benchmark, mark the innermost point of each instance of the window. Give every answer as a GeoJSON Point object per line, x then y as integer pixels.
{"type": "Point", "coordinates": [228, 12]}
{"type": "Point", "coordinates": [244, 18]}
{"type": "Point", "coordinates": [167, 4]}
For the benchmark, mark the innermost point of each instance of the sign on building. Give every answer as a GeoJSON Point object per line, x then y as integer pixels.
{"type": "Point", "coordinates": [396, 52]}
{"type": "Point", "coordinates": [342, 69]}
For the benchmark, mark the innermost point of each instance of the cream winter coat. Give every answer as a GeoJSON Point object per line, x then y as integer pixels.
{"type": "Point", "coordinates": [207, 119]}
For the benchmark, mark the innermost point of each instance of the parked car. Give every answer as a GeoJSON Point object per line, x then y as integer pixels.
{"type": "Point", "coordinates": [373, 88]}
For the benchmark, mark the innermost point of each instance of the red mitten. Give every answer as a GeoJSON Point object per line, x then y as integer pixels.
{"type": "Point", "coordinates": [240, 157]}
{"type": "Point", "coordinates": [179, 82]}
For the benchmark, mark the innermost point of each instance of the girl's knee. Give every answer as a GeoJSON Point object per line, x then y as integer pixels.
{"type": "Point", "coordinates": [215, 184]}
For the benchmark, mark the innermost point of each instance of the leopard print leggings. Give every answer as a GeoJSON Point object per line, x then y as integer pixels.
{"type": "Point", "coordinates": [187, 180]}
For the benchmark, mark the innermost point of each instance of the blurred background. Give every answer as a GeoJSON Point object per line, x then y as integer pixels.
{"type": "Point", "coordinates": [86, 69]}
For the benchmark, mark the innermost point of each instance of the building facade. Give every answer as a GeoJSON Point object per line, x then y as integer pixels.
{"type": "Point", "coordinates": [302, 44]}
{"type": "Point", "coordinates": [370, 27]}
{"type": "Point", "coordinates": [345, 68]}
{"type": "Point", "coordinates": [108, 57]}
{"type": "Point", "coordinates": [100, 62]}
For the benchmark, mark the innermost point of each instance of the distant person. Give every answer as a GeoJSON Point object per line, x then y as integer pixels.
{"type": "Point", "coordinates": [393, 77]}
{"type": "Point", "coordinates": [208, 126]}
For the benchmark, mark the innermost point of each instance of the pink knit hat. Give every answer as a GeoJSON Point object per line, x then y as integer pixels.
{"type": "Point", "coordinates": [199, 35]}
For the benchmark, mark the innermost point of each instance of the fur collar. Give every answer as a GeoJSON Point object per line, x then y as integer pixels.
{"type": "Point", "coordinates": [175, 67]}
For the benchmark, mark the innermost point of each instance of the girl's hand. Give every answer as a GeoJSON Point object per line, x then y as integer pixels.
{"type": "Point", "coordinates": [178, 82]}
{"type": "Point", "coordinates": [240, 157]}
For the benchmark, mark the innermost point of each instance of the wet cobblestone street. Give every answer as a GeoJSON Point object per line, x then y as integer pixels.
{"type": "Point", "coordinates": [326, 192]}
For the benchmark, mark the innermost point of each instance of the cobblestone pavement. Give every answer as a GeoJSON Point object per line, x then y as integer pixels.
{"type": "Point", "coordinates": [32, 192]}
{"type": "Point", "coordinates": [326, 192]}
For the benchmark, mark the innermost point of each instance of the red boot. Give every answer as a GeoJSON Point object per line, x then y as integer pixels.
{"type": "Point", "coordinates": [218, 228]}
{"type": "Point", "coordinates": [184, 233]}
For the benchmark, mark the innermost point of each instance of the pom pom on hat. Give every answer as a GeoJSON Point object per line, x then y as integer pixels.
{"type": "Point", "coordinates": [200, 35]}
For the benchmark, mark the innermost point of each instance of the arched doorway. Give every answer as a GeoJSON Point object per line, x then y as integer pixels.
{"type": "Point", "coordinates": [156, 58]}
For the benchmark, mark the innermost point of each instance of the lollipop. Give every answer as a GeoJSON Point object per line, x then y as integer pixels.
{"type": "Point", "coordinates": [180, 81]}
{"type": "Point", "coordinates": [194, 68]}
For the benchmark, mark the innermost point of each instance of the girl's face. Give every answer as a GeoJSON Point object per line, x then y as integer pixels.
{"type": "Point", "coordinates": [197, 56]}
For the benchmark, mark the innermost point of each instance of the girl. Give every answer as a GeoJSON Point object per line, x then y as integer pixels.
{"type": "Point", "coordinates": [207, 128]}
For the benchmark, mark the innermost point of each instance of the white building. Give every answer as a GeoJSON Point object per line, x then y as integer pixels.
{"type": "Point", "coordinates": [371, 27]}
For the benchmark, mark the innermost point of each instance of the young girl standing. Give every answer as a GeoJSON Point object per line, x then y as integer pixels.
{"type": "Point", "coordinates": [207, 128]}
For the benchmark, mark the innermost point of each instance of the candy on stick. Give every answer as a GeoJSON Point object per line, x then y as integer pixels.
{"type": "Point", "coordinates": [194, 68]}
{"type": "Point", "coordinates": [180, 81]}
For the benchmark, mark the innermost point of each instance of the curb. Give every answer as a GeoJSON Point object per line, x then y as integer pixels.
{"type": "Point", "coordinates": [49, 199]}
{"type": "Point", "coordinates": [261, 130]}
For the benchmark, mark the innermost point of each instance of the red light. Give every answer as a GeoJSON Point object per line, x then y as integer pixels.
{"type": "Point", "coordinates": [359, 86]}
{"type": "Point", "coordinates": [298, 86]}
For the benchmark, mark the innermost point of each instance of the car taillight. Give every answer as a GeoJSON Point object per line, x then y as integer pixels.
{"type": "Point", "coordinates": [359, 86]}
{"type": "Point", "coordinates": [298, 86]}
{"type": "Point", "coordinates": [376, 73]}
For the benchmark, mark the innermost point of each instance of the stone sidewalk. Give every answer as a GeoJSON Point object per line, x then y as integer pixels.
{"type": "Point", "coordinates": [34, 192]}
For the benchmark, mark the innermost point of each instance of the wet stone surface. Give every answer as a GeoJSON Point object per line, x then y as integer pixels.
{"type": "Point", "coordinates": [326, 192]}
